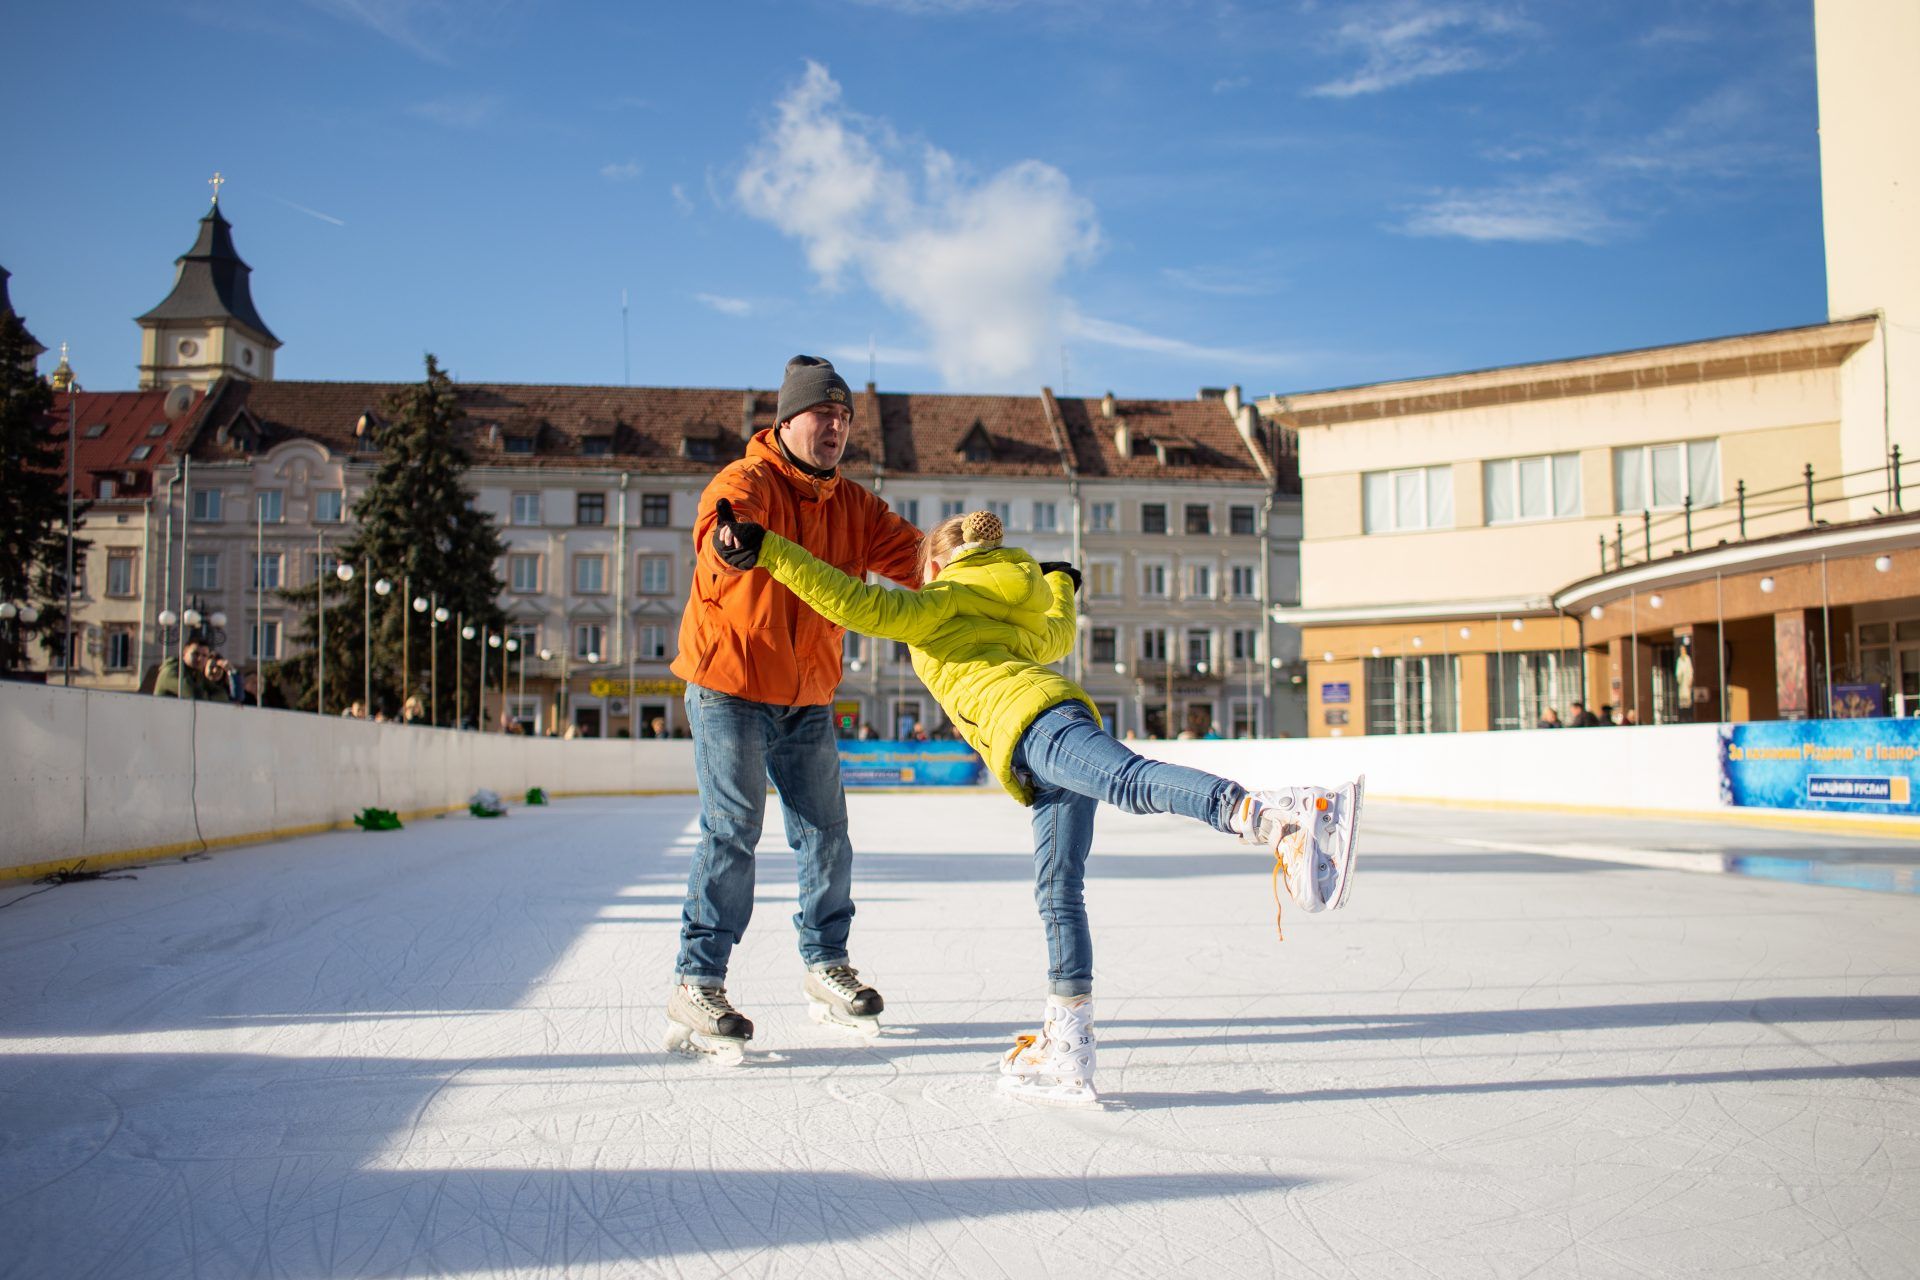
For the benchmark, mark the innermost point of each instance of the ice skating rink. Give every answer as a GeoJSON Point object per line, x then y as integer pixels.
{"type": "Point", "coordinates": [1531, 1045]}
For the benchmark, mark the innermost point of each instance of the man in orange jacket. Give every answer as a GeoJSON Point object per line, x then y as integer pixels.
{"type": "Point", "coordinates": [761, 669]}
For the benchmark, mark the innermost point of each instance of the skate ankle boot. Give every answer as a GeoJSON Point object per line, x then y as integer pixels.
{"type": "Point", "coordinates": [702, 1022]}
{"type": "Point", "coordinates": [1055, 1067]}
{"type": "Point", "coordinates": [837, 998]}
{"type": "Point", "coordinates": [1311, 832]}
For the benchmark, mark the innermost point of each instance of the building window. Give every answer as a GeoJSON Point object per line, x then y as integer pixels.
{"type": "Point", "coordinates": [323, 565]}
{"type": "Point", "coordinates": [590, 508]}
{"type": "Point", "coordinates": [1199, 582]}
{"type": "Point", "coordinates": [653, 642]}
{"type": "Point", "coordinates": [899, 654]}
{"type": "Point", "coordinates": [119, 647]}
{"type": "Point", "coordinates": [1199, 518]}
{"type": "Point", "coordinates": [527, 635]}
{"type": "Point", "coordinates": [95, 431]}
{"type": "Point", "coordinates": [266, 571]}
{"type": "Point", "coordinates": [1241, 521]}
{"type": "Point", "coordinates": [120, 573]}
{"type": "Point", "coordinates": [1661, 477]}
{"type": "Point", "coordinates": [1002, 509]}
{"type": "Point", "coordinates": [907, 509]}
{"type": "Point", "coordinates": [269, 506]}
{"type": "Point", "coordinates": [1046, 517]}
{"type": "Point", "coordinates": [589, 641]}
{"type": "Point", "coordinates": [1522, 685]}
{"type": "Point", "coordinates": [951, 507]}
{"type": "Point", "coordinates": [203, 570]}
{"type": "Point", "coordinates": [1244, 581]}
{"type": "Point", "coordinates": [1413, 695]}
{"type": "Point", "coordinates": [590, 575]}
{"type": "Point", "coordinates": [1103, 645]}
{"type": "Point", "coordinates": [330, 506]}
{"type": "Point", "coordinates": [526, 509]}
{"type": "Point", "coordinates": [59, 656]}
{"type": "Point", "coordinates": [141, 452]}
{"type": "Point", "coordinates": [519, 444]}
{"type": "Point", "coordinates": [596, 446]}
{"type": "Point", "coordinates": [264, 639]}
{"type": "Point", "coordinates": [523, 574]}
{"type": "Point", "coordinates": [206, 504]}
{"type": "Point", "coordinates": [1542, 488]}
{"type": "Point", "coordinates": [1246, 644]}
{"type": "Point", "coordinates": [1103, 578]}
{"type": "Point", "coordinates": [104, 490]}
{"type": "Point", "coordinates": [1153, 644]}
{"type": "Point", "coordinates": [1199, 648]}
{"type": "Point", "coordinates": [656, 575]}
{"type": "Point", "coordinates": [1153, 517]}
{"type": "Point", "coordinates": [656, 510]}
{"type": "Point", "coordinates": [1153, 579]}
{"type": "Point", "coordinates": [157, 430]}
{"type": "Point", "coordinates": [1400, 501]}
{"type": "Point", "coordinates": [1101, 517]}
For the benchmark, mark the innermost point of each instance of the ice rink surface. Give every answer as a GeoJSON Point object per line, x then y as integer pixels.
{"type": "Point", "coordinates": [436, 1053]}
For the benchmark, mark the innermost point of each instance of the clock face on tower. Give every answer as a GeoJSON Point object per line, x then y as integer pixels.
{"type": "Point", "coordinates": [188, 348]}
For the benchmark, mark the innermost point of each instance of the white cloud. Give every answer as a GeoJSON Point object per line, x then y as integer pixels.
{"type": "Point", "coordinates": [725, 306]}
{"type": "Point", "coordinates": [856, 358]}
{"type": "Point", "coordinates": [680, 200]}
{"type": "Point", "coordinates": [976, 262]}
{"type": "Point", "coordinates": [1219, 284]}
{"type": "Point", "coordinates": [1557, 208]}
{"type": "Point", "coordinates": [1411, 40]}
{"type": "Point", "coordinates": [623, 171]}
{"type": "Point", "coordinates": [458, 111]}
{"type": "Point", "coordinates": [1232, 84]}
{"type": "Point", "coordinates": [1125, 337]}
{"type": "Point", "coordinates": [424, 26]}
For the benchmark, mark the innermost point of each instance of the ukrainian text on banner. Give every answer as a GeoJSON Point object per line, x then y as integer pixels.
{"type": "Point", "coordinates": [1846, 766]}
{"type": "Point", "coordinates": [910, 764]}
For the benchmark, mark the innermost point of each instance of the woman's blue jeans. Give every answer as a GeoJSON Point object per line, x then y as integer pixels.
{"type": "Point", "coordinates": [1074, 764]}
{"type": "Point", "coordinates": [737, 745]}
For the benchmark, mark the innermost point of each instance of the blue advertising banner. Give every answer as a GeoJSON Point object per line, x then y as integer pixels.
{"type": "Point", "coordinates": [1844, 766]}
{"type": "Point", "coordinates": [910, 764]}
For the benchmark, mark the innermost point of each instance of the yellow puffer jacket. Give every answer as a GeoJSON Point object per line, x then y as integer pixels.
{"type": "Point", "coordinates": [981, 635]}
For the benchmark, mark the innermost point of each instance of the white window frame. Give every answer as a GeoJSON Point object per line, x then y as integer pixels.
{"type": "Point", "coordinates": [581, 562]}
{"type": "Point", "coordinates": [1103, 517]}
{"type": "Point", "coordinates": [1153, 580]}
{"type": "Point", "coordinates": [1046, 517]}
{"type": "Point", "coordinates": [271, 627]}
{"type": "Point", "coordinates": [655, 576]}
{"type": "Point", "coordinates": [206, 506]}
{"type": "Point", "coordinates": [516, 559]}
{"type": "Point", "coordinates": [1243, 580]}
{"type": "Point", "coordinates": [654, 643]}
{"type": "Point", "coordinates": [1152, 638]}
{"type": "Point", "coordinates": [589, 637]}
{"type": "Point", "coordinates": [339, 514]}
{"type": "Point", "coordinates": [907, 509]}
{"type": "Point", "coordinates": [951, 507]}
{"type": "Point", "coordinates": [1103, 579]}
{"type": "Point", "coordinates": [271, 505]}
{"type": "Point", "coordinates": [523, 508]}
{"type": "Point", "coordinates": [198, 581]}
{"type": "Point", "coordinates": [1562, 473]}
{"type": "Point", "coordinates": [1387, 515]}
{"type": "Point", "coordinates": [1197, 580]}
{"type": "Point", "coordinates": [1699, 465]}
{"type": "Point", "coordinates": [262, 560]}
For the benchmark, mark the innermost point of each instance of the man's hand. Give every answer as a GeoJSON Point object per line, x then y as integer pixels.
{"type": "Point", "coordinates": [736, 541]}
{"type": "Point", "coordinates": [1061, 566]}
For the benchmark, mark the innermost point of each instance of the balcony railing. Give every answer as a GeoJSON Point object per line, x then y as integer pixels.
{"type": "Point", "coordinates": [1760, 513]}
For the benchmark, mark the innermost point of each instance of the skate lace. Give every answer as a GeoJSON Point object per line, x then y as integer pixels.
{"type": "Point", "coordinates": [844, 979]}
{"type": "Point", "coordinates": [711, 1000]}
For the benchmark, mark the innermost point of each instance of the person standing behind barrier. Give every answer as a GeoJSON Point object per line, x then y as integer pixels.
{"type": "Point", "coordinates": [186, 676]}
{"type": "Point", "coordinates": [761, 669]}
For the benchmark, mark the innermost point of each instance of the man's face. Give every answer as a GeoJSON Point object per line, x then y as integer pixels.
{"type": "Point", "coordinates": [195, 656]}
{"type": "Point", "coordinates": [818, 436]}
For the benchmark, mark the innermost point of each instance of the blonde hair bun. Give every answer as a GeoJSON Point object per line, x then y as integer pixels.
{"type": "Point", "coordinates": [981, 529]}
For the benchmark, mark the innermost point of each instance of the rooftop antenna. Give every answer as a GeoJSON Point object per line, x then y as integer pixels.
{"type": "Point", "coordinates": [1063, 369]}
{"type": "Point", "coordinates": [873, 356]}
{"type": "Point", "coordinates": [626, 345]}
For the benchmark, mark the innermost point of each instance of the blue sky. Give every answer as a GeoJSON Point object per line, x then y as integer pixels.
{"type": "Point", "coordinates": [1147, 196]}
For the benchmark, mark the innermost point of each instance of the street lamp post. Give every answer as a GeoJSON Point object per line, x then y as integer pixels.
{"type": "Point", "coordinates": [440, 615]}
{"type": "Point", "coordinates": [465, 634]}
{"type": "Point", "coordinates": [320, 595]}
{"type": "Point", "coordinates": [520, 696]}
{"type": "Point", "coordinates": [22, 615]}
{"type": "Point", "coordinates": [480, 697]}
{"type": "Point", "coordinates": [505, 659]}
{"type": "Point", "coordinates": [546, 655]}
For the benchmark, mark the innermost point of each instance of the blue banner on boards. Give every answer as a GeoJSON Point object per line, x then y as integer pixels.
{"type": "Point", "coordinates": [910, 764]}
{"type": "Point", "coordinates": [1844, 766]}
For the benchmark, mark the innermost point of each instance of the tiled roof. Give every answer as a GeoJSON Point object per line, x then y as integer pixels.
{"type": "Point", "coordinates": [115, 426]}
{"type": "Point", "coordinates": [211, 282]}
{"type": "Point", "coordinates": [696, 430]}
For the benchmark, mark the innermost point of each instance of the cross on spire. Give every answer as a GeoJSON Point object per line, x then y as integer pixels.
{"type": "Point", "coordinates": [216, 182]}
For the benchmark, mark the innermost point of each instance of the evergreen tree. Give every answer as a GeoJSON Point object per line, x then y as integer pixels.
{"type": "Point", "coordinates": [416, 527]}
{"type": "Point", "coordinates": [33, 502]}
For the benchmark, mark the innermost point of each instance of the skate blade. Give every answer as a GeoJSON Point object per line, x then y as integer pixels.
{"type": "Point", "coordinates": [1050, 1094]}
{"type": "Point", "coordinates": [1353, 841]}
{"type": "Point", "coordinates": [716, 1050]}
{"type": "Point", "coordinates": [824, 1015]}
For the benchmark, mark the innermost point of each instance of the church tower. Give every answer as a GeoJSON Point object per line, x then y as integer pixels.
{"type": "Point", "coordinates": [34, 349]}
{"type": "Point", "coordinates": [207, 327]}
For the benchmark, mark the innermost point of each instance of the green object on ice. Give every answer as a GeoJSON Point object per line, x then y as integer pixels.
{"type": "Point", "coordinates": [372, 819]}
{"type": "Point", "coordinates": [536, 796]}
{"type": "Point", "coordinates": [482, 811]}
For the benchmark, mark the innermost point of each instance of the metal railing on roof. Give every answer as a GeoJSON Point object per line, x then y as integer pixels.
{"type": "Point", "coordinates": [1760, 513]}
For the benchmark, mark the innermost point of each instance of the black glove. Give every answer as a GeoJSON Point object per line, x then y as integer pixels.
{"type": "Point", "coordinates": [745, 534]}
{"type": "Point", "coordinates": [1061, 566]}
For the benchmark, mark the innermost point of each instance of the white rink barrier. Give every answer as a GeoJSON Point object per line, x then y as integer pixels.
{"type": "Point", "coordinates": [111, 777]}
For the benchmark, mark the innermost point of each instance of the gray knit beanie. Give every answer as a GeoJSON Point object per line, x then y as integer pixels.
{"type": "Point", "coordinates": [810, 381]}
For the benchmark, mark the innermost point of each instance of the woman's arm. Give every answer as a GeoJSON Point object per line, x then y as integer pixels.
{"type": "Point", "coordinates": [885, 612]}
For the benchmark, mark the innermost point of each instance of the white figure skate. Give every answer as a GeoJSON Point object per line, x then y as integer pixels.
{"type": "Point", "coordinates": [1054, 1067]}
{"type": "Point", "coordinates": [702, 1023]}
{"type": "Point", "coordinates": [1311, 833]}
{"type": "Point", "coordinates": [837, 998]}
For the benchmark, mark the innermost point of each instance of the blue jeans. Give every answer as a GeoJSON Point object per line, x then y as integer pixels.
{"type": "Point", "coordinates": [737, 745]}
{"type": "Point", "coordinates": [1074, 764]}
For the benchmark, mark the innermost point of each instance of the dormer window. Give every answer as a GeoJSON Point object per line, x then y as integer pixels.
{"type": "Point", "coordinates": [141, 452]}
{"type": "Point", "coordinates": [519, 444]}
{"type": "Point", "coordinates": [596, 446]}
{"type": "Point", "coordinates": [157, 430]}
{"type": "Point", "coordinates": [977, 445]}
{"type": "Point", "coordinates": [95, 431]}
{"type": "Point", "coordinates": [699, 448]}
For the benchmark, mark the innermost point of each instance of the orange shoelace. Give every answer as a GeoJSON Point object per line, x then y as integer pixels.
{"type": "Point", "coordinates": [1294, 840]}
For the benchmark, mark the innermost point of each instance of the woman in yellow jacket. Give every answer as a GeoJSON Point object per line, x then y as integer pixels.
{"type": "Point", "coordinates": [981, 631]}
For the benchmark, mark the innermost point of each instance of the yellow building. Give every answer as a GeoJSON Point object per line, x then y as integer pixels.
{"type": "Point", "coordinates": [1709, 530]}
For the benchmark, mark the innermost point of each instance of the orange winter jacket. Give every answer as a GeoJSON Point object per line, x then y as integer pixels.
{"type": "Point", "coordinates": [745, 634]}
